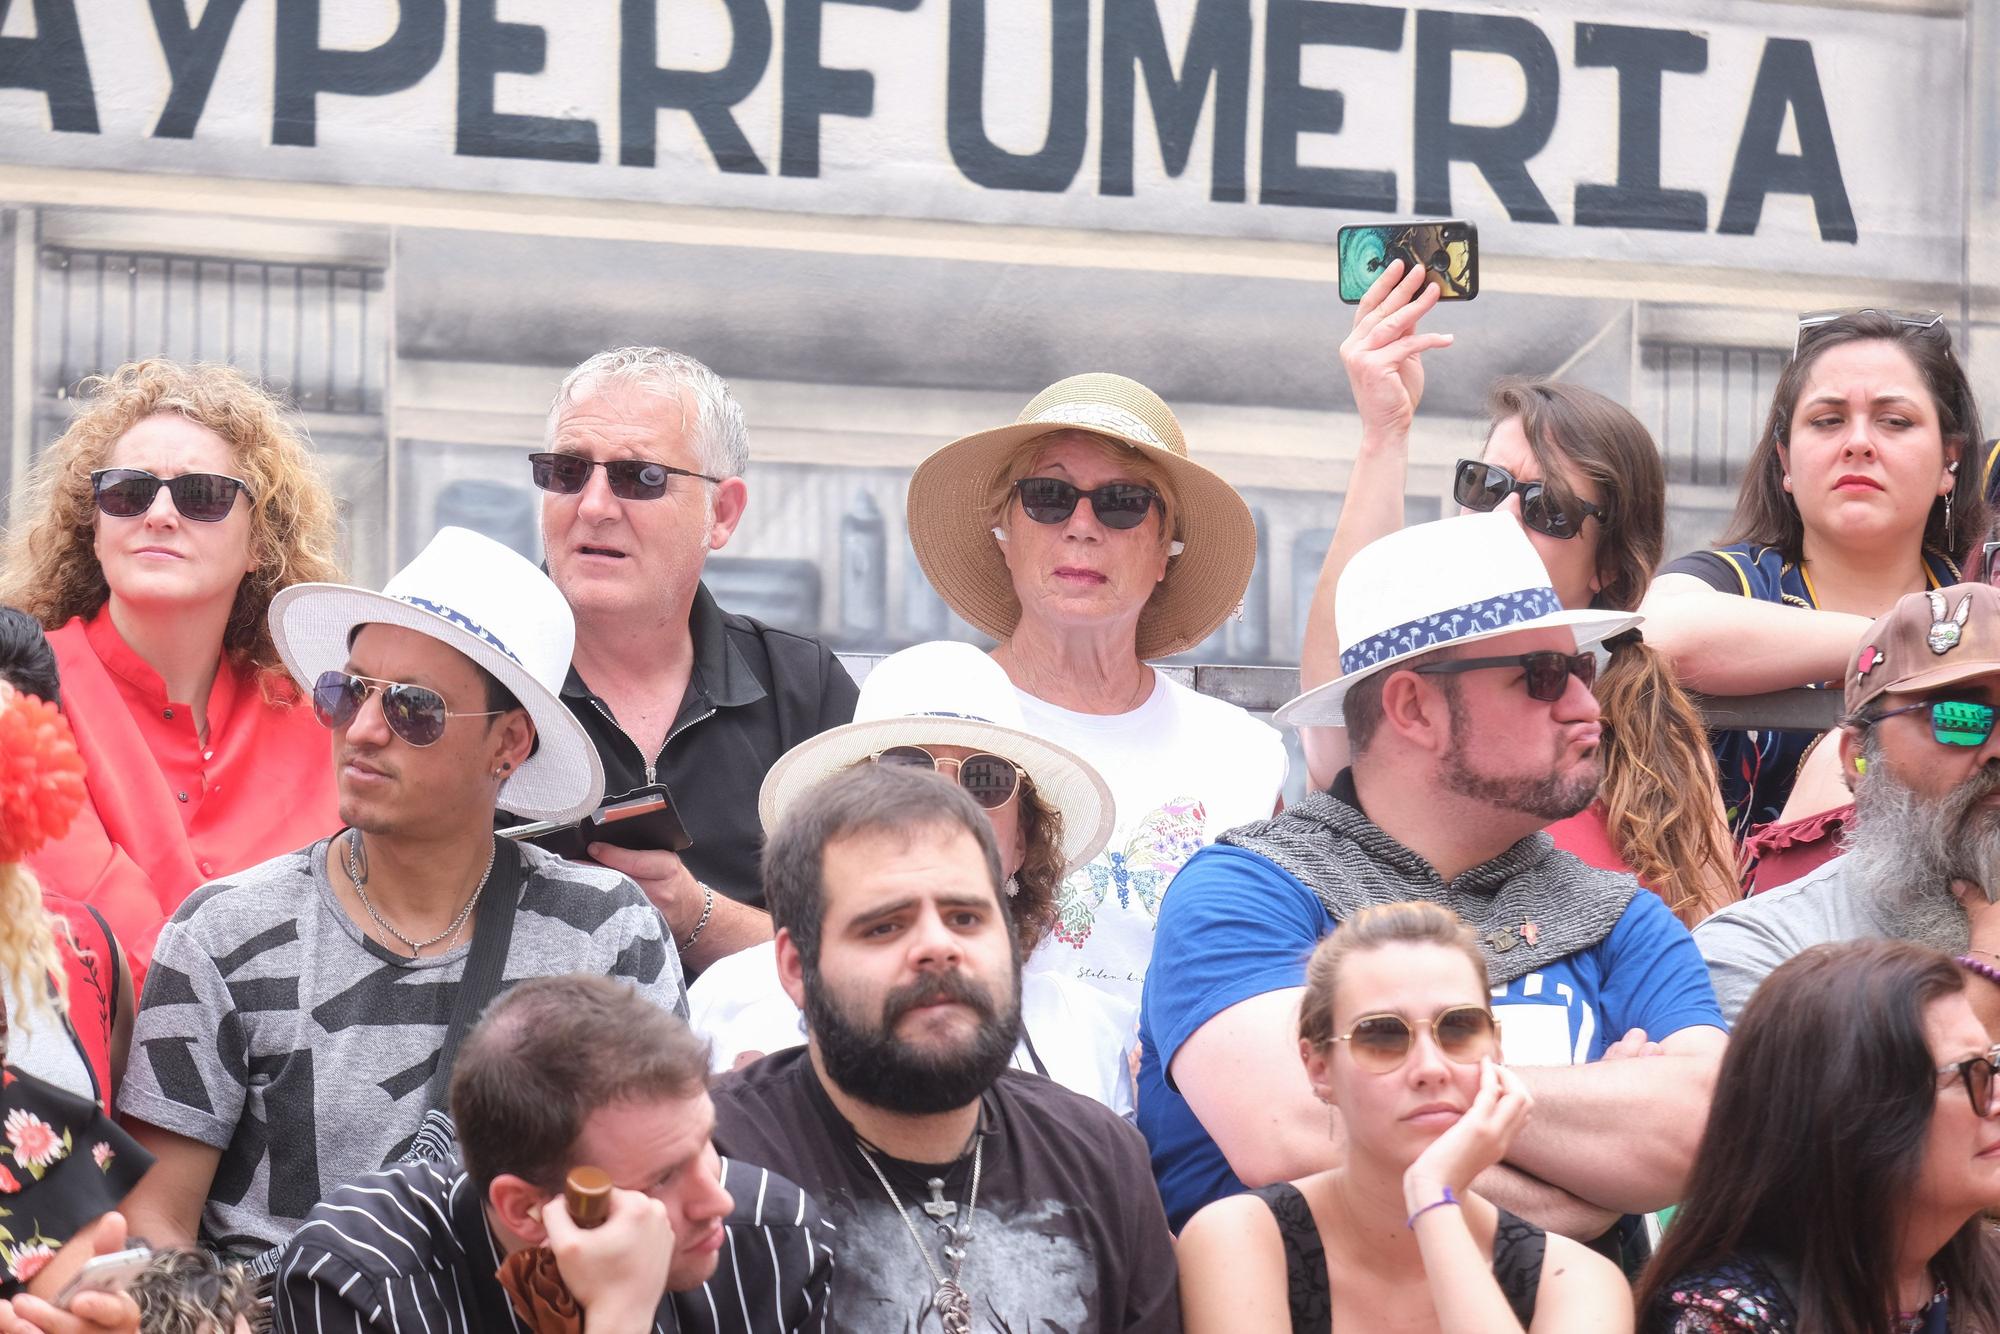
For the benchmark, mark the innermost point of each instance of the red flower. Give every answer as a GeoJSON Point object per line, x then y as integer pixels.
{"type": "Point", "coordinates": [41, 775]}
{"type": "Point", "coordinates": [8, 1183]}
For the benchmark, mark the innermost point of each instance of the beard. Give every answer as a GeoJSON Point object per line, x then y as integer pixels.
{"type": "Point", "coordinates": [871, 1063]}
{"type": "Point", "coordinates": [1907, 849]}
{"type": "Point", "coordinates": [1555, 795]}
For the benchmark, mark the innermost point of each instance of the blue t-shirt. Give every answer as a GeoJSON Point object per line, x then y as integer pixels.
{"type": "Point", "coordinates": [1234, 926]}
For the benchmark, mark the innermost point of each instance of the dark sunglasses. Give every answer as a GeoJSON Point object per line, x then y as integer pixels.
{"type": "Point", "coordinates": [1954, 722]}
{"type": "Point", "coordinates": [1117, 505]}
{"type": "Point", "coordinates": [990, 780]}
{"type": "Point", "coordinates": [1486, 486]}
{"type": "Point", "coordinates": [415, 713]}
{"type": "Point", "coordinates": [631, 479]}
{"type": "Point", "coordinates": [1382, 1042]}
{"type": "Point", "coordinates": [205, 497]}
{"type": "Point", "coordinates": [1813, 320]}
{"type": "Point", "coordinates": [1977, 1076]}
{"type": "Point", "coordinates": [1547, 673]}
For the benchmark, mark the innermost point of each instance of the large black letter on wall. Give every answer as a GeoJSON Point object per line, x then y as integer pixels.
{"type": "Point", "coordinates": [305, 69]}
{"type": "Point", "coordinates": [1641, 56]}
{"type": "Point", "coordinates": [52, 63]}
{"type": "Point", "coordinates": [1218, 48]}
{"type": "Point", "coordinates": [1786, 77]}
{"type": "Point", "coordinates": [193, 51]}
{"type": "Point", "coordinates": [706, 95]}
{"type": "Point", "coordinates": [811, 90]}
{"type": "Point", "coordinates": [1291, 108]}
{"type": "Point", "coordinates": [1501, 152]}
{"type": "Point", "coordinates": [984, 162]}
{"type": "Point", "coordinates": [487, 47]}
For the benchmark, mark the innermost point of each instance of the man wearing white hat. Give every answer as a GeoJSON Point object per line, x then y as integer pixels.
{"type": "Point", "coordinates": [301, 1016]}
{"type": "Point", "coordinates": [1466, 697]}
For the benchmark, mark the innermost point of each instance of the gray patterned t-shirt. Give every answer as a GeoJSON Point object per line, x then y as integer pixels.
{"type": "Point", "coordinates": [274, 1030]}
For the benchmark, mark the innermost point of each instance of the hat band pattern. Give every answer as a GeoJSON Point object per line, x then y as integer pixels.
{"type": "Point", "coordinates": [1449, 626]}
{"type": "Point", "coordinates": [463, 622]}
{"type": "Point", "coordinates": [1108, 418]}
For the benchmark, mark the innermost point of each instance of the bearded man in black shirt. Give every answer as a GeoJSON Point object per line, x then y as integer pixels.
{"type": "Point", "coordinates": [967, 1195]}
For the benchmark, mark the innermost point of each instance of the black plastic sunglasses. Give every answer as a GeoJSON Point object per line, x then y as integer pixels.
{"type": "Point", "coordinates": [1546, 674]}
{"type": "Point", "coordinates": [415, 713]}
{"type": "Point", "coordinates": [1116, 505]}
{"type": "Point", "coordinates": [205, 497]}
{"type": "Point", "coordinates": [991, 780]}
{"type": "Point", "coordinates": [630, 479]}
{"type": "Point", "coordinates": [1486, 486]}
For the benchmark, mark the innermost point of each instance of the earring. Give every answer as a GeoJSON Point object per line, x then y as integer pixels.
{"type": "Point", "coordinates": [1950, 542]}
{"type": "Point", "coordinates": [999, 534]}
{"type": "Point", "coordinates": [1012, 887]}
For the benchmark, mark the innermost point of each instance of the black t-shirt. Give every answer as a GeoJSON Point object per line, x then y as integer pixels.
{"type": "Point", "coordinates": [1068, 1234]}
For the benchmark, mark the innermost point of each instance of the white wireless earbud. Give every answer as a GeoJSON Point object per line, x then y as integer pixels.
{"type": "Point", "coordinates": [999, 534]}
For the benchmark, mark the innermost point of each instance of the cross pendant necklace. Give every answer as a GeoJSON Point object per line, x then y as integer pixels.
{"type": "Point", "coordinates": [952, 1303]}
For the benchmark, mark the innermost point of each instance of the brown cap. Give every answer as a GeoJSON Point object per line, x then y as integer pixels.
{"type": "Point", "coordinates": [1927, 640]}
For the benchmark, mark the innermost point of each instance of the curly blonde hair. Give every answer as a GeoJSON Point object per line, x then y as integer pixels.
{"type": "Point", "coordinates": [51, 571]}
{"type": "Point", "coordinates": [28, 951]}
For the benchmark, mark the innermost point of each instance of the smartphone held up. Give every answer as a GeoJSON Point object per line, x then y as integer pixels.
{"type": "Point", "coordinates": [1446, 249]}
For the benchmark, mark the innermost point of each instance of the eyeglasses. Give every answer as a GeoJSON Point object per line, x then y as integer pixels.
{"type": "Point", "coordinates": [1954, 722]}
{"type": "Point", "coordinates": [415, 713]}
{"type": "Point", "coordinates": [1382, 1042]}
{"type": "Point", "coordinates": [1547, 673]}
{"type": "Point", "coordinates": [1813, 320]}
{"type": "Point", "coordinates": [630, 479]}
{"type": "Point", "coordinates": [991, 780]}
{"type": "Point", "coordinates": [205, 497]}
{"type": "Point", "coordinates": [1117, 505]}
{"type": "Point", "coordinates": [1977, 1076]}
{"type": "Point", "coordinates": [1485, 486]}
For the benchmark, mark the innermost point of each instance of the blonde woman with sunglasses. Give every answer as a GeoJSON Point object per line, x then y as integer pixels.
{"type": "Point", "coordinates": [1397, 1035]}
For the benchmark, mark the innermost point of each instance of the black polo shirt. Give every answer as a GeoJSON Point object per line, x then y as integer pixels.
{"type": "Point", "coordinates": [753, 694]}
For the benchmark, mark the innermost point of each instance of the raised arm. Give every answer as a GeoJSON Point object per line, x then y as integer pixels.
{"type": "Point", "coordinates": [1241, 1076]}
{"type": "Point", "coordinates": [1723, 644]}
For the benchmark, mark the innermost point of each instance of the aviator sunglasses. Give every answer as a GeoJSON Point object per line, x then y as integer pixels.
{"type": "Point", "coordinates": [1486, 486]}
{"type": "Point", "coordinates": [1546, 674]}
{"type": "Point", "coordinates": [1116, 505]}
{"type": "Point", "coordinates": [1381, 1042]}
{"type": "Point", "coordinates": [126, 493]}
{"type": "Point", "coordinates": [1977, 1075]}
{"type": "Point", "coordinates": [990, 780]}
{"type": "Point", "coordinates": [415, 713]}
{"type": "Point", "coordinates": [630, 479]}
{"type": "Point", "coordinates": [1954, 722]}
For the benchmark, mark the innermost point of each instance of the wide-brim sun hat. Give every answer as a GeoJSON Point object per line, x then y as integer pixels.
{"type": "Point", "coordinates": [951, 490]}
{"type": "Point", "coordinates": [947, 694]}
{"type": "Point", "coordinates": [495, 607]}
{"type": "Point", "coordinates": [1433, 585]}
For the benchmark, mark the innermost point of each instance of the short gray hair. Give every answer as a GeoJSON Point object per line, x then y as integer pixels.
{"type": "Point", "coordinates": [717, 432]}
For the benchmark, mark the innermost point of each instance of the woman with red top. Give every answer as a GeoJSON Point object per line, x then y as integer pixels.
{"type": "Point", "coordinates": [158, 528]}
{"type": "Point", "coordinates": [1585, 480]}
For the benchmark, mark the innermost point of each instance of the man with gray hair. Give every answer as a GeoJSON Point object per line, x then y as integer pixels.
{"type": "Point", "coordinates": [642, 477]}
{"type": "Point", "coordinates": [1922, 859]}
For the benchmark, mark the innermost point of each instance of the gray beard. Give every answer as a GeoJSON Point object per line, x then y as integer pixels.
{"type": "Point", "coordinates": [1906, 851]}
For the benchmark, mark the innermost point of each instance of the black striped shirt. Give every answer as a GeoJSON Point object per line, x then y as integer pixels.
{"type": "Point", "coordinates": [409, 1250]}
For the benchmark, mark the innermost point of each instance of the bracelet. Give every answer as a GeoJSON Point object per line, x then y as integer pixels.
{"type": "Point", "coordinates": [707, 907]}
{"type": "Point", "coordinates": [1449, 1198]}
{"type": "Point", "coordinates": [1978, 969]}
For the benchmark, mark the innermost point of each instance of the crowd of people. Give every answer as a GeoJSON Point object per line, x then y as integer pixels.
{"type": "Point", "coordinates": [1001, 989]}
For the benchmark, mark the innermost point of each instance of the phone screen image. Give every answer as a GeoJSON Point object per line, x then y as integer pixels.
{"type": "Point", "coordinates": [1448, 251]}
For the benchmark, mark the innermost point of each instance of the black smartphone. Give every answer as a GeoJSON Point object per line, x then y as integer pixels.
{"type": "Point", "coordinates": [1448, 252]}
{"type": "Point", "coordinates": [643, 820]}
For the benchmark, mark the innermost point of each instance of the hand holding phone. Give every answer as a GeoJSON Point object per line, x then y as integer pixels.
{"type": "Point", "coordinates": [1447, 251]}
{"type": "Point", "coordinates": [112, 1273]}
{"type": "Point", "coordinates": [642, 820]}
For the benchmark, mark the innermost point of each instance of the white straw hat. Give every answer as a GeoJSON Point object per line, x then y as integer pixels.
{"type": "Point", "coordinates": [497, 609]}
{"type": "Point", "coordinates": [1427, 587]}
{"type": "Point", "coordinates": [947, 694]}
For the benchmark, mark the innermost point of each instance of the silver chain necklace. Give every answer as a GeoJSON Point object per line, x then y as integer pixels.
{"type": "Point", "coordinates": [357, 871]}
{"type": "Point", "coordinates": [954, 1307]}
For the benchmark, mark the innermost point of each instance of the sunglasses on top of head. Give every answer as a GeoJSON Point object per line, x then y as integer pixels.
{"type": "Point", "coordinates": [1486, 486]}
{"type": "Point", "coordinates": [415, 713]}
{"type": "Point", "coordinates": [1812, 321]}
{"type": "Point", "coordinates": [1116, 505]}
{"type": "Point", "coordinates": [1545, 674]}
{"type": "Point", "coordinates": [1381, 1043]}
{"type": "Point", "coordinates": [1954, 722]}
{"type": "Point", "coordinates": [127, 493]}
{"type": "Point", "coordinates": [991, 780]}
{"type": "Point", "coordinates": [630, 479]}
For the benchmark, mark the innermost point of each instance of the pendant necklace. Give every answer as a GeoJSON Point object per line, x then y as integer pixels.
{"type": "Point", "coordinates": [357, 872]}
{"type": "Point", "coordinates": [954, 1307]}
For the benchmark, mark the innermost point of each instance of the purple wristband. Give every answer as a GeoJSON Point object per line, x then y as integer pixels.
{"type": "Point", "coordinates": [1450, 1198]}
{"type": "Point", "coordinates": [1978, 969]}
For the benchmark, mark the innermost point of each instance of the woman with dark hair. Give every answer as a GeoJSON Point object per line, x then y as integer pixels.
{"type": "Point", "coordinates": [1850, 1156]}
{"type": "Point", "coordinates": [949, 707]}
{"type": "Point", "coordinates": [1397, 1032]}
{"type": "Point", "coordinates": [1585, 481]}
{"type": "Point", "coordinates": [154, 534]}
{"type": "Point", "coordinates": [1851, 499]}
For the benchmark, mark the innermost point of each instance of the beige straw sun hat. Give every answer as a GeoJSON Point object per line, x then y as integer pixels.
{"type": "Point", "coordinates": [951, 490]}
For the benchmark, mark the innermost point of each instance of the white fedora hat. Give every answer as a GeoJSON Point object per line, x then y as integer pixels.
{"type": "Point", "coordinates": [947, 694]}
{"type": "Point", "coordinates": [1433, 585]}
{"type": "Point", "coordinates": [497, 609]}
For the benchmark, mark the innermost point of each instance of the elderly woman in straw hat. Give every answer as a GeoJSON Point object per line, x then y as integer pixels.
{"type": "Point", "coordinates": [949, 707]}
{"type": "Point", "coordinates": [1086, 541]}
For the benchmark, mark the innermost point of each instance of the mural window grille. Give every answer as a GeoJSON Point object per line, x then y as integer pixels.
{"type": "Point", "coordinates": [1706, 405]}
